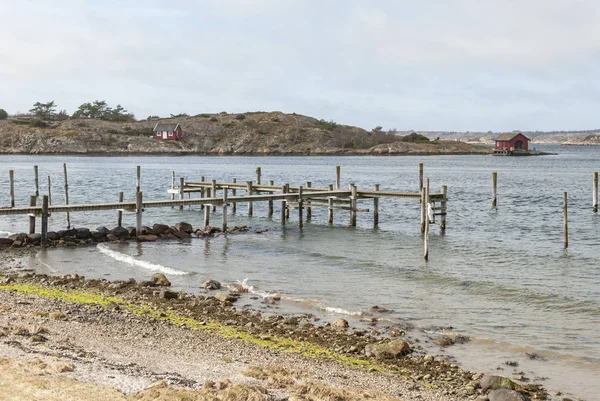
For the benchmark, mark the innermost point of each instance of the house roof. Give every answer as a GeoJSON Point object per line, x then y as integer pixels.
{"type": "Point", "coordinates": [507, 136]}
{"type": "Point", "coordinates": [165, 127]}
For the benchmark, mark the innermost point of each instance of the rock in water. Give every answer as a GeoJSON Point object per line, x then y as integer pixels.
{"type": "Point", "coordinates": [340, 323]}
{"type": "Point", "coordinates": [160, 280]}
{"type": "Point", "coordinates": [160, 228]}
{"type": "Point", "coordinates": [224, 297]}
{"type": "Point", "coordinates": [211, 285]}
{"type": "Point", "coordinates": [390, 350]}
{"type": "Point", "coordinates": [493, 382]}
{"type": "Point", "coordinates": [504, 394]}
{"type": "Point", "coordinates": [168, 294]}
{"type": "Point", "coordinates": [185, 227]}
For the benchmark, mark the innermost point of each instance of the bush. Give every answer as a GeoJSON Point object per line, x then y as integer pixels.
{"type": "Point", "coordinates": [240, 117]}
{"type": "Point", "coordinates": [213, 119]}
{"type": "Point", "coordinates": [3, 114]}
{"type": "Point", "coordinates": [203, 115]}
{"type": "Point", "coordinates": [414, 137]}
{"type": "Point", "coordinates": [327, 125]}
{"type": "Point", "coordinates": [38, 124]}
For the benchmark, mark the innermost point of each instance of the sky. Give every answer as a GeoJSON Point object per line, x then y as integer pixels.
{"type": "Point", "coordinates": [452, 65]}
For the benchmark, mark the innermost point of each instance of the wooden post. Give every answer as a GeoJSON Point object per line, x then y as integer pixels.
{"type": "Point", "coordinates": [181, 184]}
{"type": "Point", "coordinates": [353, 205]}
{"type": "Point", "coordinates": [233, 193]}
{"type": "Point", "coordinates": [426, 234]}
{"type": "Point", "coordinates": [36, 181]}
{"type": "Point", "coordinates": [44, 239]}
{"type": "Point", "coordinates": [206, 215]}
{"type": "Point", "coordinates": [565, 221]}
{"type": "Point", "coordinates": [249, 192]}
{"type": "Point", "coordinates": [11, 178]}
{"type": "Point", "coordinates": [138, 179]}
{"type": "Point", "coordinates": [443, 207]}
{"type": "Point", "coordinates": [172, 184]}
{"type": "Point", "coordinates": [32, 202]}
{"type": "Point", "coordinates": [258, 174]}
{"type": "Point", "coordinates": [421, 179]}
{"type": "Point", "coordinates": [330, 207]}
{"type": "Point", "coordinates": [337, 177]}
{"type": "Point", "coordinates": [49, 191]}
{"type": "Point", "coordinates": [138, 214]}
{"type": "Point", "coordinates": [67, 194]}
{"type": "Point", "coordinates": [270, 211]}
{"type": "Point", "coordinates": [214, 193]}
{"type": "Point", "coordinates": [224, 209]}
{"type": "Point", "coordinates": [308, 208]}
{"type": "Point", "coordinates": [300, 206]}
{"type": "Point", "coordinates": [423, 211]}
{"type": "Point", "coordinates": [284, 190]}
{"type": "Point", "coordinates": [494, 186]}
{"type": "Point", "coordinates": [595, 193]}
{"type": "Point", "coordinates": [376, 208]}
{"type": "Point", "coordinates": [120, 212]}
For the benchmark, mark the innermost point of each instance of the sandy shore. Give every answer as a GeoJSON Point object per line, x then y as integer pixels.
{"type": "Point", "coordinates": [62, 337]}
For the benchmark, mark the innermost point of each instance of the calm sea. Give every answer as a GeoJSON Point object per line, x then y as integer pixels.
{"type": "Point", "coordinates": [498, 276]}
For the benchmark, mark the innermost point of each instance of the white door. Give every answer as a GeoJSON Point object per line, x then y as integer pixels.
{"type": "Point", "coordinates": [164, 134]}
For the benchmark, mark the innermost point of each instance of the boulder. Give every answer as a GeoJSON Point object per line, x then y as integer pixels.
{"type": "Point", "coordinates": [17, 243]}
{"type": "Point", "coordinates": [504, 394]}
{"type": "Point", "coordinates": [340, 323]}
{"type": "Point", "coordinates": [53, 236]}
{"type": "Point", "coordinates": [160, 228]}
{"type": "Point", "coordinates": [225, 297]}
{"type": "Point", "coordinates": [181, 234]}
{"type": "Point", "coordinates": [82, 233]}
{"type": "Point", "coordinates": [67, 233]}
{"type": "Point", "coordinates": [6, 241]}
{"type": "Point", "coordinates": [34, 238]}
{"type": "Point", "coordinates": [18, 237]}
{"type": "Point", "coordinates": [168, 294]}
{"type": "Point", "coordinates": [97, 235]}
{"type": "Point", "coordinates": [147, 230]}
{"type": "Point", "coordinates": [112, 237]}
{"type": "Point", "coordinates": [389, 350]}
{"type": "Point", "coordinates": [444, 341]}
{"type": "Point", "coordinates": [103, 230]}
{"type": "Point", "coordinates": [147, 238]}
{"type": "Point", "coordinates": [378, 309]}
{"type": "Point", "coordinates": [131, 230]}
{"type": "Point", "coordinates": [185, 227]}
{"type": "Point", "coordinates": [160, 280]}
{"type": "Point", "coordinates": [493, 382]}
{"type": "Point", "coordinates": [120, 232]}
{"type": "Point", "coordinates": [211, 285]}
{"type": "Point", "coordinates": [238, 287]}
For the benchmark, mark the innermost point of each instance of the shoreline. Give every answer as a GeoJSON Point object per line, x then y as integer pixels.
{"type": "Point", "coordinates": [256, 154]}
{"type": "Point", "coordinates": [286, 339]}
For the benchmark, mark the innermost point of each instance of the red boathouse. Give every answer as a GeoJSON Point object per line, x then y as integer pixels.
{"type": "Point", "coordinates": [512, 141]}
{"type": "Point", "coordinates": [168, 131]}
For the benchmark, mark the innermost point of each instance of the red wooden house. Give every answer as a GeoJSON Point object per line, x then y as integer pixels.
{"type": "Point", "coordinates": [168, 131]}
{"type": "Point", "coordinates": [512, 141]}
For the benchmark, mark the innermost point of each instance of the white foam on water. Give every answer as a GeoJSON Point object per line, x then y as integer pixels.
{"type": "Point", "coordinates": [121, 257]}
{"type": "Point", "coordinates": [5, 233]}
{"type": "Point", "coordinates": [342, 311]}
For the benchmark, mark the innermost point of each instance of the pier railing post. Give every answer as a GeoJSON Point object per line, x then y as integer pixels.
{"type": "Point", "coordinates": [11, 179]}
{"type": "Point", "coordinates": [300, 206]}
{"type": "Point", "coordinates": [206, 215]}
{"type": "Point", "coordinates": [494, 188]}
{"type": "Point", "coordinates": [49, 191]}
{"type": "Point", "coordinates": [421, 179]}
{"type": "Point", "coordinates": [224, 209]}
{"type": "Point", "coordinates": [443, 208]}
{"type": "Point", "coordinates": [565, 221]}
{"type": "Point", "coordinates": [308, 208]}
{"type": "Point", "coordinates": [270, 205]}
{"type": "Point", "coordinates": [330, 207]}
{"type": "Point", "coordinates": [44, 239]}
{"type": "Point", "coordinates": [120, 212]}
{"type": "Point", "coordinates": [249, 192]}
{"type": "Point", "coordinates": [284, 190]}
{"type": "Point", "coordinates": [258, 174]}
{"type": "Point", "coordinates": [423, 211]}
{"type": "Point", "coordinates": [172, 184]}
{"type": "Point", "coordinates": [181, 185]}
{"type": "Point", "coordinates": [376, 207]}
{"type": "Point", "coordinates": [138, 179]}
{"type": "Point", "coordinates": [426, 233]}
{"type": "Point", "coordinates": [287, 205]}
{"type": "Point", "coordinates": [337, 177]}
{"type": "Point", "coordinates": [36, 181]}
{"type": "Point", "coordinates": [595, 193]}
{"type": "Point", "coordinates": [67, 194]}
{"type": "Point", "coordinates": [214, 193]}
{"type": "Point", "coordinates": [353, 205]}
{"type": "Point", "coordinates": [32, 202]}
{"type": "Point", "coordinates": [138, 213]}
{"type": "Point", "coordinates": [233, 193]}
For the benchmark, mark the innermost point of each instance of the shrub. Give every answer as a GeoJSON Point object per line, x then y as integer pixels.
{"type": "Point", "coordinates": [3, 114]}
{"type": "Point", "coordinates": [327, 125]}
{"type": "Point", "coordinates": [240, 117]}
{"type": "Point", "coordinates": [203, 115]}
{"type": "Point", "coordinates": [414, 137]}
{"type": "Point", "coordinates": [21, 122]}
{"type": "Point", "coordinates": [39, 124]}
{"type": "Point", "coordinates": [213, 119]}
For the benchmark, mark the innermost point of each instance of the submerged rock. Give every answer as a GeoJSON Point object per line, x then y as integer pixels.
{"type": "Point", "coordinates": [389, 350]}
{"type": "Point", "coordinates": [211, 285]}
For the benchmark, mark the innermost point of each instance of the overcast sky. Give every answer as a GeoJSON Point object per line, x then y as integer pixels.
{"type": "Point", "coordinates": [425, 65]}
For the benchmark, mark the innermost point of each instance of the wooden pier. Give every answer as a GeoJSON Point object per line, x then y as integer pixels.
{"type": "Point", "coordinates": [213, 194]}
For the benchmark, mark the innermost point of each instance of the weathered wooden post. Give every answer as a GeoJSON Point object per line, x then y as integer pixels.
{"type": "Point", "coordinates": [138, 213]}
{"type": "Point", "coordinates": [32, 202]}
{"type": "Point", "coordinates": [337, 177]}
{"type": "Point", "coordinates": [308, 208]}
{"type": "Point", "coordinates": [423, 211]}
{"type": "Point", "coordinates": [443, 208]}
{"type": "Point", "coordinates": [258, 174]}
{"type": "Point", "coordinates": [181, 184]}
{"type": "Point", "coordinates": [214, 193]}
{"type": "Point", "coordinates": [67, 194]}
{"type": "Point", "coordinates": [426, 233]}
{"type": "Point", "coordinates": [421, 179]}
{"type": "Point", "coordinates": [595, 193]}
{"type": "Point", "coordinates": [270, 206]}
{"type": "Point", "coordinates": [249, 192]}
{"type": "Point", "coordinates": [494, 186]}
{"type": "Point", "coordinates": [330, 207]}
{"type": "Point", "coordinates": [172, 185]}
{"type": "Point", "coordinates": [138, 179]}
{"type": "Point", "coordinates": [120, 212]}
{"type": "Point", "coordinates": [233, 193]}
{"type": "Point", "coordinates": [284, 190]}
{"type": "Point", "coordinates": [44, 239]}
{"type": "Point", "coordinates": [49, 191]}
{"type": "Point", "coordinates": [224, 209]}
{"type": "Point", "coordinates": [36, 181]}
{"type": "Point", "coordinates": [11, 179]}
{"type": "Point", "coordinates": [353, 205]}
{"type": "Point", "coordinates": [300, 206]}
{"type": "Point", "coordinates": [376, 207]}
{"type": "Point", "coordinates": [206, 215]}
{"type": "Point", "coordinates": [565, 221]}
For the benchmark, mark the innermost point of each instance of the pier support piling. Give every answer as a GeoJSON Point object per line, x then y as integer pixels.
{"type": "Point", "coordinates": [353, 205]}
{"type": "Point", "coordinates": [49, 191]}
{"type": "Point", "coordinates": [67, 194]}
{"type": "Point", "coordinates": [423, 211]}
{"type": "Point", "coordinates": [421, 180]}
{"type": "Point", "coordinates": [224, 209]}
{"type": "Point", "coordinates": [270, 203]}
{"type": "Point", "coordinates": [138, 179]}
{"type": "Point", "coordinates": [337, 177]}
{"type": "Point", "coordinates": [565, 221]}
{"type": "Point", "coordinates": [494, 187]}
{"type": "Point", "coordinates": [120, 212]}
{"type": "Point", "coordinates": [300, 206]}
{"type": "Point", "coordinates": [172, 185]}
{"type": "Point", "coordinates": [181, 184]}
{"type": "Point", "coordinates": [426, 233]}
{"type": "Point", "coordinates": [308, 208]}
{"type": "Point", "coordinates": [233, 193]}
{"type": "Point", "coordinates": [36, 180]}
{"type": "Point", "coordinates": [249, 192]}
{"type": "Point", "coordinates": [214, 194]}
{"type": "Point", "coordinates": [330, 207]}
{"type": "Point", "coordinates": [376, 207]}
{"type": "Point", "coordinates": [138, 213]}
{"type": "Point", "coordinates": [443, 208]}
{"type": "Point", "coordinates": [595, 193]}
{"type": "Point", "coordinates": [32, 202]}
{"type": "Point", "coordinates": [258, 174]}
{"type": "Point", "coordinates": [284, 190]}
{"type": "Point", "coordinates": [11, 179]}
{"type": "Point", "coordinates": [44, 239]}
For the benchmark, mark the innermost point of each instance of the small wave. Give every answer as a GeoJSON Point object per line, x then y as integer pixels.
{"type": "Point", "coordinates": [5, 233]}
{"type": "Point", "coordinates": [342, 311]}
{"type": "Point", "coordinates": [121, 257]}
